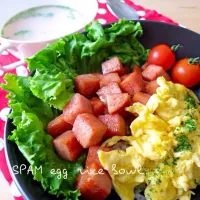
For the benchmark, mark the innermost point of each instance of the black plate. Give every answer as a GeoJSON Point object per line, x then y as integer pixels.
{"type": "Point", "coordinates": [154, 33]}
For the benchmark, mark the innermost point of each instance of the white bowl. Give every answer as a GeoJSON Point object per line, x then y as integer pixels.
{"type": "Point", "coordinates": [24, 49]}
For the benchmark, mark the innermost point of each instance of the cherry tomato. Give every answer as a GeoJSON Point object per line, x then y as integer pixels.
{"type": "Point", "coordinates": [185, 73]}
{"type": "Point", "coordinates": [199, 74]}
{"type": "Point", "coordinates": [163, 56]}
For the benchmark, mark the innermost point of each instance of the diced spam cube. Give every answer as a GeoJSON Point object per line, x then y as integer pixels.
{"type": "Point", "coordinates": [125, 70]}
{"type": "Point", "coordinates": [141, 97]}
{"type": "Point", "coordinates": [112, 65]}
{"type": "Point", "coordinates": [88, 130]}
{"type": "Point", "coordinates": [106, 110]}
{"type": "Point", "coordinates": [115, 123]}
{"type": "Point", "coordinates": [151, 87]}
{"type": "Point", "coordinates": [132, 84]}
{"type": "Point", "coordinates": [94, 183]}
{"type": "Point", "coordinates": [67, 146]}
{"type": "Point", "coordinates": [98, 106]}
{"type": "Point", "coordinates": [125, 114]}
{"type": "Point", "coordinates": [93, 156]}
{"type": "Point", "coordinates": [124, 76]}
{"type": "Point", "coordinates": [106, 149]}
{"type": "Point", "coordinates": [77, 105]}
{"type": "Point", "coordinates": [117, 102]}
{"type": "Point", "coordinates": [58, 126]}
{"type": "Point", "coordinates": [152, 72]}
{"type": "Point", "coordinates": [87, 84]}
{"type": "Point", "coordinates": [129, 120]}
{"type": "Point", "coordinates": [136, 69]}
{"type": "Point", "coordinates": [111, 88]}
{"type": "Point", "coordinates": [98, 74]}
{"type": "Point", "coordinates": [144, 66]}
{"type": "Point", "coordinates": [109, 78]}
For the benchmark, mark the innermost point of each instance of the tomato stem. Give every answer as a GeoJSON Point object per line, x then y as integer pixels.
{"type": "Point", "coordinates": [194, 61]}
{"type": "Point", "coordinates": [176, 47]}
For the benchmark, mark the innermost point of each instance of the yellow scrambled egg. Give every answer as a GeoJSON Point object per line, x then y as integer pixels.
{"type": "Point", "coordinates": [164, 149]}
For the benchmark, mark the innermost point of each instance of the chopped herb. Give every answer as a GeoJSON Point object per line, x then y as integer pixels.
{"type": "Point", "coordinates": [174, 162]}
{"type": "Point", "coordinates": [165, 162]}
{"type": "Point", "coordinates": [158, 169]}
{"type": "Point", "coordinates": [183, 144]}
{"type": "Point", "coordinates": [191, 102]}
{"type": "Point", "coordinates": [190, 125]}
{"type": "Point", "coordinates": [189, 115]}
{"type": "Point", "coordinates": [158, 181]}
{"type": "Point", "coordinates": [49, 14]}
{"type": "Point", "coordinates": [152, 190]}
{"type": "Point", "coordinates": [22, 32]}
{"type": "Point", "coordinates": [178, 131]}
{"type": "Point", "coordinates": [171, 161]}
{"type": "Point", "coordinates": [195, 181]}
{"type": "Point", "coordinates": [35, 12]}
{"type": "Point", "coordinates": [148, 196]}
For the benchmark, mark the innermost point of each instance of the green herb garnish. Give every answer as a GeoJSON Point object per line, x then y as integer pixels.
{"type": "Point", "coordinates": [195, 181]}
{"type": "Point", "coordinates": [22, 32]}
{"type": "Point", "coordinates": [158, 181]}
{"type": "Point", "coordinates": [190, 125]}
{"type": "Point", "coordinates": [190, 102]}
{"type": "Point", "coordinates": [183, 144]}
{"type": "Point", "coordinates": [170, 161]}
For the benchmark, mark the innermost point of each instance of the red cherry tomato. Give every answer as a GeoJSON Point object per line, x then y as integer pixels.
{"type": "Point", "coordinates": [185, 73]}
{"type": "Point", "coordinates": [163, 56]}
{"type": "Point", "coordinates": [199, 74]}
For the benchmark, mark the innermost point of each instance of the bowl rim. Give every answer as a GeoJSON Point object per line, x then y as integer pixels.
{"type": "Point", "coordinates": [10, 162]}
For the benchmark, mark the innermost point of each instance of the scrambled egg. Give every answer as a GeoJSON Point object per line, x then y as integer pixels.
{"type": "Point", "coordinates": [164, 149]}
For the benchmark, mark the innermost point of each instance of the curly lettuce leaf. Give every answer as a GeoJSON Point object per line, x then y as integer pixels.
{"type": "Point", "coordinates": [118, 40]}
{"type": "Point", "coordinates": [22, 99]}
{"type": "Point", "coordinates": [47, 86]}
{"type": "Point", "coordinates": [124, 28]}
{"type": "Point", "coordinates": [53, 87]}
{"type": "Point", "coordinates": [53, 80]}
{"type": "Point", "coordinates": [102, 38]}
{"type": "Point", "coordinates": [62, 98]}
